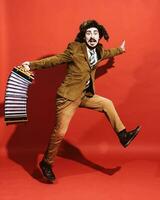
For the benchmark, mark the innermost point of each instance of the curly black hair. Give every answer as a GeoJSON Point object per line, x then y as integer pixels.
{"type": "Point", "coordinates": [89, 24]}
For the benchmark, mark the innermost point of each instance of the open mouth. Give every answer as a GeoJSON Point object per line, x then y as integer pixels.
{"type": "Point", "coordinates": [92, 41]}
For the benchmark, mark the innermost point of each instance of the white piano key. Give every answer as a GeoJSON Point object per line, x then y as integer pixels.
{"type": "Point", "coordinates": [11, 82]}
{"type": "Point", "coordinates": [12, 98]}
{"type": "Point", "coordinates": [7, 102]}
{"type": "Point", "coordinates": [15, 115]}
{"type": "Point", "coordinates": [15, 109]}
{"type": "Point", "coordinates": [16, 94]}
{"type": "Point", "coordinates": [15, 105]}
{"type": "Point", "coordinates": [15, 90]}
{"type": "Point", "coordinates": [21, 77]}
{"type": "Point", "coordinates": [15, 112]}
{"type": "Point", "coordinates": [13, 78]}
{"type": "Point", "coordinates": [17, 87]}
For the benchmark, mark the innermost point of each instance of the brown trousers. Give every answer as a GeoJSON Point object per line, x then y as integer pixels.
{"type": "Point", "coordinates": [65, 109]}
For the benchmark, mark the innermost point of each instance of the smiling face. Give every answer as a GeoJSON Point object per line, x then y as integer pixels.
{"type": "Point", "coordinates": [92, 37]}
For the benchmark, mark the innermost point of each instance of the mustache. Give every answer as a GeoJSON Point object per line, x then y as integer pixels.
{"type": "Point", "coordinates": [92, 40]}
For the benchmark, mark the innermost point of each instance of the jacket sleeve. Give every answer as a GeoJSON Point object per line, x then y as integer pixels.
{"type": "Point", "coordinates": [51, 61]}
{"type": "Point", "coordinates": [108, 53]}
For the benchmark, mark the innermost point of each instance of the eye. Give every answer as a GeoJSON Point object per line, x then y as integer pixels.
{"type": "Point", "coordinates": [96, 33]}
{"type": "Point", "coordinates": [88, 33]}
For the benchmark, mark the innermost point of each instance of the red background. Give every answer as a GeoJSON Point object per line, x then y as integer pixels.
{"type": "Point", "coordinates": [33, 29]}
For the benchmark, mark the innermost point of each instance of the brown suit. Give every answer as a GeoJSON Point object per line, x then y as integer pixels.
{"type": "Point", "coordinates": [78, 71]}
{"type": "Point", "coordinates": [72, 93]}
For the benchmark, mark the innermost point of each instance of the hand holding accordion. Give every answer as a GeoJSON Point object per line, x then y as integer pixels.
{"type": "Point", "coordinates": [25, 66]}
{"type": "Point", "coordinates": [16, 95]}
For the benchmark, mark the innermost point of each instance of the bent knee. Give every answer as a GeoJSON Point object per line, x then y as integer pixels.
{"type": "Point", "coordinates": [107, 103]}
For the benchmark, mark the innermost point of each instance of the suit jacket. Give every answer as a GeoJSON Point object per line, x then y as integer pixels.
{"type": "Point", "coordinates": [78, 70]}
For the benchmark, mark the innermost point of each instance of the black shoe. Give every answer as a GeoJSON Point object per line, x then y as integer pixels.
{"type": "Point", "coordinates": [127, 137]}
{"type": "Point", "coordinates": [47, 171]}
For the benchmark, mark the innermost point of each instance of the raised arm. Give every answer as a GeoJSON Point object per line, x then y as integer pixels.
{"type": "Point", "coordinates": [51, 61]}
{"type": "Point", "coordinates": [108, 53]}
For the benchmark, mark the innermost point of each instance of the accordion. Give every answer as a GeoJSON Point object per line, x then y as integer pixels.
{"type": "Point", "coordinates": [16, 95]}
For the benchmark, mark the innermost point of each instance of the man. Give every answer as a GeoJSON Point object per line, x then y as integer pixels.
{"type": "Point", "coordinates": [77, 89]}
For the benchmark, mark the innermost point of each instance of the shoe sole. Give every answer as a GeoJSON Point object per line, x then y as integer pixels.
{"type": "Point", "coordinates": [48, 180]}
{"type": "Point", "coordinates": [138, 129]}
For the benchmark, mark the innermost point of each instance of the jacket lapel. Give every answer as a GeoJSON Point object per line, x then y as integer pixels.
{"type": "Point", "coordinates": [99, 51]}
{"type": "Point", "coordinates": [84, 48]}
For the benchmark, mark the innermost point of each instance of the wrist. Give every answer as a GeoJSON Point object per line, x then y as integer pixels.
{"type": "Point", "coordinates": [122, 49]}
{"type": "Point", "coordinates": [26, 65]}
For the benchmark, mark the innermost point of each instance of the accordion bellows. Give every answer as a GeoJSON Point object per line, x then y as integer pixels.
{"type": "Point", "coordinates": [16, 95]}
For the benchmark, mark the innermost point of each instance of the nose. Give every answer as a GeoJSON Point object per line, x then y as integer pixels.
{"type": "Point", "coordinates": [92, 35]}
